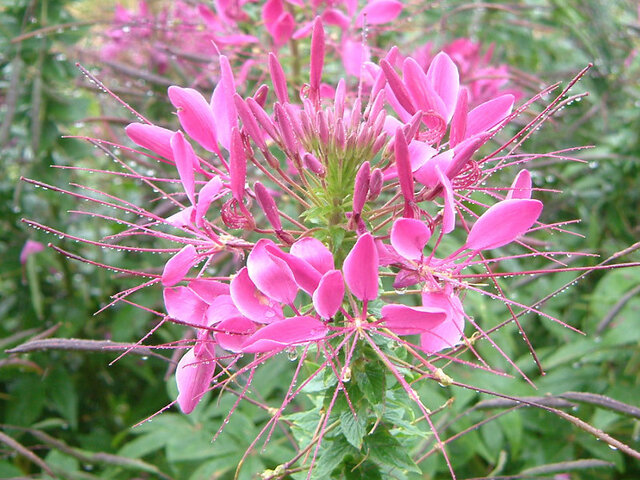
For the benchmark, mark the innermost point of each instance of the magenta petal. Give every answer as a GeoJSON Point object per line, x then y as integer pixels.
{"type": "Point", "coordinates": [208, 289]}
{"type": "Point", "coordinates": [183, 304]}
{"type": "Point", "coordinates": [361, 268]}
{"type": "Point", "coordinates": [405, 320]}
{"type": "Point", "coordinates": [485, 116]}
{"type": "Point", "coordinates": [406, 278]}
{"type": "Point", "coordinates": [521, 186]}
{"type": "Point", "coordinates": [306, 277]}
{"type": "Point", "coordinates": [354, 54]}
{"type": "Point", "coordinates": [422, 92]}
{"type": "Point", "coordinates": [314, 252]}
{"type": "Point", "coordinates": [251, 302]}
{"type": "Point", "coordinates": [195, 115]}
{"type": "Point", "coordinates": [221, 308]}
{"type": "Point", "coordinates": [185, 159]}
{"type": "Point", "coordinates": [178, 265]}
{"type": "Point", "coordinates": [443, 77]}
{"type": "Point", "coordinates": [458, 129]}
{"type": "Point", "coordinates": [193, 376]}
{"type": "Point", "coordinates": [427, 174]}
{"type": "Point", "coordinates": [329, 295]}
{"type": "Point", "coordinates": [317, 57]}
{"type": "Point", "coordinates": [379, 12]}
{"type": "Point", "coordinates": [449, 333]}
{"type": "Point", "coordinates": [284, 333]}
{"type": "Point", "coordinates": [237, 165]}
{"type": "Point", "coordinates": [419, 154]}
{"type": "Point", "coordinates": [181, 219]}
{"type": "Point", "coordinates": [405, 176]}
{"type": "Point", "coordinates": [208, 193]}
{"type": "Point", "coordinates": [278, 79]}
{"type": "Point", "coordinates": [503, 223]}
{"type": "Point", "coordinates": [223, 105]}
{"type": "Point", "coordinates": [30, 247]}
{"type": "Point", "coordinates": [409, 236]}
{"type": "Point", "coordinates": [270, 274]}
{"type": "Point", "coordinates": [449, 216]}
{"type": "Point", "coordinates": [238, 328]}
{"type": "Point", "coordinates": [333, 16]}
{"type": "Point", "coordinates": [156, 139]}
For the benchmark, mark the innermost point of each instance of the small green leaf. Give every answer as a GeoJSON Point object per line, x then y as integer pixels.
{"type": "Point", "coordinates": [353, 428]}
{"type": "Point", "coordinates": [385, 449]}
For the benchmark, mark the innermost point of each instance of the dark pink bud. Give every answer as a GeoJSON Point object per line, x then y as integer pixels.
{"type": "Point", "coordinates": [339, 134]}
{"type": "Point", "coordinates": [403, 165]}
{"type": "Point", "coordinates": [249, 122]}
{"type": "Point", "coordinates": [261, 95]}
{"type": "Point", "coordinates": [397, 87]}
{"type": "Point", "coordinates": [266, 202]}
{"type": "Point", "coordinates": [286, 129]}
{"type": "Point", "coordinates": [237, 165]}
{"type": "Point", "coordinates": [411, 128]}
{"type": "Point", "coordinates": [339, 98]}
{"type": "Point", "coordinates": [375, 184]}
{"type": "Point", "coordinates": [317, 59]}
{"type": "Point", "coordinates": [278, 79]}
{"type": "Point", "coordinates": [156, 139]}
{"type": "Point", "coordinates": [263, 118]}
{"type": "Point", "coordinates": [323, 128]}
{"type": "Point", "coordinates": [458, 129]}
{"type": "Point", "coordinates": [361, 187]}
{"type": "Point", "coordinates": [313, 164]}
{"type": "Point", "coordinates": [293, 112]}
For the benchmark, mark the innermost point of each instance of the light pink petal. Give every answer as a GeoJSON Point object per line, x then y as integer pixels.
{"type": "Point", "coordinates": [409, 237]}
{"type": "Point", "coordinates": [283, 29]}
{"type": "Point", "coordinates": [270, 274]}
{"type": "Point", "coordinates": [208, 193]}
{"type": "Point", "coordinates": [306, 277]}
{"type": "Point", "coordinates": [521, 186]}
{"type": "Point", "coordinates": [185, 158]}
{"type": "Point", "coordinates": [222, 104]}
{"type": "Point", "coordinates": [379, 12]}
{"type": "Point", "coordinates": [195, 115]}
{"type": "Point", "coordinates": [238, 328]}
{"type": "Point", "coordinates": [449, 333]}
{"type": "Point", "coordinates": [181, 219]}
{"type": "Point", "coordinates": [314, 252]}
{"type": "Point", "coordinates": [449, 215]}
{"type": "Point", "coordinates": [317, 58]}
{"type": "Point", "coordinates": [405, 175]}
{"type": "Point", "coordinates": [427, 174]}
{"type": "Point", "coordinates": [422, 92]}
{"type": "Point", "coordinates": [178, 265]}
{"type": "Point", "coordinates": [208, 289]}
{"type": "Point", "coordinates": [251, 302]}
{"type": "Point", "coordinates": [406, 320]}
{"type": "Point", "coordinates": [221, 308]}
{"type": "Point", "coordinates": [443, 77]}
{"type": "Point", "coordinates": [193, 376]}
{"type": "Point", "coordinates": [30, 247]}
{"type": "Point", "coordinates": [329, 295]}
{"type": "Point", "coordinates": [489, 114]}
{"type": "Point", "coordinates": [156, 139]}
{"type": "Point", "coordinates": [284, 333]}
{"type": "Point", "coordinates": [419, 154]}
{"type": "Point", "coordinates": [271, 10]}
{"type": "Point", "coordinates": [406, 278]}
{"type": "Point", "coordinates": [333, 16]}
{"type": "Point", "coordinates": [354, 54]}
{"type": "Point", "coordinates": [361, 268]}
{"type": "Point", "coordinates": [503, 223]}
{"type": "Point", "coordinates": [458, 129]}
{"type": "Point", "coordinates": [183, 304]}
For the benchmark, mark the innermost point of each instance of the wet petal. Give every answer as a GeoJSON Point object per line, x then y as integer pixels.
{"type": "Point", "coordinates": [409, 237]}
{"type": "Point", "coordinates": [489, 114]}
{"type": "Point", "coordinates": [449, 215]}
{"type": "Point", "coordinates": [284, 333]}
{"type": "Point", "coordinates": [361, 268]}
{"type": "Point", "coordinates": [156, 139]}
{"type": "Point", "coordinates": [443, 77]}
{"type": "Point", "coordinates": [208, 193]}
{"type": "Point", "coordinates": [406, 320]}
{"type": "Point", "coordinates": [185, 159]}
{"type": "Point", "coordinates": [195, 115]}
{"type": "Point", "coordinates": [305, 276]}
{"type": "Point", "coordinates": [449, 333]}
{"type": "Point", "coordinates": [221, 308]}
{"type": "Point", "coordinates": [379, 12]}
{"type": "Point", "coordinates": [521, 186]}
{"type": "Point", "coordinates": [238, 328]}
{"type": "Point", "coordinates": [503, 223]}
{"type": "Point", "coordinates": [183, 304]}
{"type": "Point", "coordinates": [178, 265]}
{"type": "Point", "coordinates": [208, 289]}
{"type": "Point", "coordinates": [223, 105]}
{"type": "Point", "coordinates": [193, 376]}
{"type": "Point", "coordinates": [251, 302]}
{"type": "Point", "coordinates": [270, 274]}
{"type": "Point", "coordinates": [329, 295]}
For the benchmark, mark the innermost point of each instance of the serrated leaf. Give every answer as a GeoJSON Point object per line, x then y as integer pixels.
{"type": "Point", "coordinates": [330, 456]}
{"type": "Point", "coordinates": [353, 428]}
{"type": "Point", "coordinates": [385, 449]}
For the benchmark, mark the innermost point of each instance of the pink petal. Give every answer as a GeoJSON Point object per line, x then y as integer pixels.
{"type": "Point", "coordinates": [222, 104]}
{"type": "Point", "coordinates": [183, 304]}
{"type": "Point", "coordinates": [333, 16]}
{"type": "Point", "coordinates": [208, 289]}
{"type": "Point", "coordinates": [283, 29]}
{"type": "Point", "coordinates": [281, 334]}
{"type": "Point", "coordinates": [239, 329]}
{"type": "Point", "coordinates": [270, 274]}
{"type": "Point", "coordinates": [521, 186]}
{"type": "Point", "coordinates": [361, 187]}
{"type": "Point", "coordinates": [427, 174]}
{"type": "Point", "coordinates": [328, 297]}
{"type": "Point", "coordinates": [503, 223]}
{"type": "Point", "coordinates": [193, 376]}
{"type": "Point", "coordinates": [30, 247]}
{"type": "Point", "coordinates": [379, 12]}
{"type": "Point", "coordinates": [409, 237]}
{"type": "Point", "coordinates": [156, 139]}
{"type": "Point", "coordinates": [181, 219]}
{"type": "Point", "coordinates": [306, 277]}
{"type": "Point", "coordinates": [185, 159]}
{"type": "Point", "coordinates": [314, 252]}
{"type": "Point", "coordinates": [422, 92]}
{"type": "Point", "coordinates": [251, 302]}
{"type": "Point", "coordinates": [489, 114]}
{"type": "Point", "coordinates": [354, 54]}
{"type": "Point", "coordinates": [361, 268]}
{"type": "Point", "coordinates": [195, 115]}
{"type": "Point", "coordinates": [449, 333]}
{"type": "Point", "coordinates": [221, 308]}
{"type": "Point", "coordinates": [317, 58]}
{"type": "Point", "coordinates": [443, 77]}
{"type": "Point", "coordinates": [178, 265]}
{"type": "Point", "coordinates": [268, 205]}
{"type": "Point", "coordinates": [278, 79]}
{"type": "Point", "coordinates": [405, 176]}
{"type": "Point", "coordinates": [458, 129]}
{"type": "Point", "coordinates": [449, 215]}
{"type": "Point", "coordinates": [208, 193]}
{"type": "Point", "coordinates": [406, 320]}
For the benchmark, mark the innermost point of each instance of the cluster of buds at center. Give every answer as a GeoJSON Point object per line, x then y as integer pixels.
{"type": "Point", "coordinates": [353, 187]}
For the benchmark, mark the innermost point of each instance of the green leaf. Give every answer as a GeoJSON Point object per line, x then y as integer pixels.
{"type": "Point", "coordinates": [353, 428]}
{"type": "Point", "coordinates": [60, 388]}
{"type": "Point", "coordinates": [332, 453]}
{"type": "Point", "coordinates": [385, 449]}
